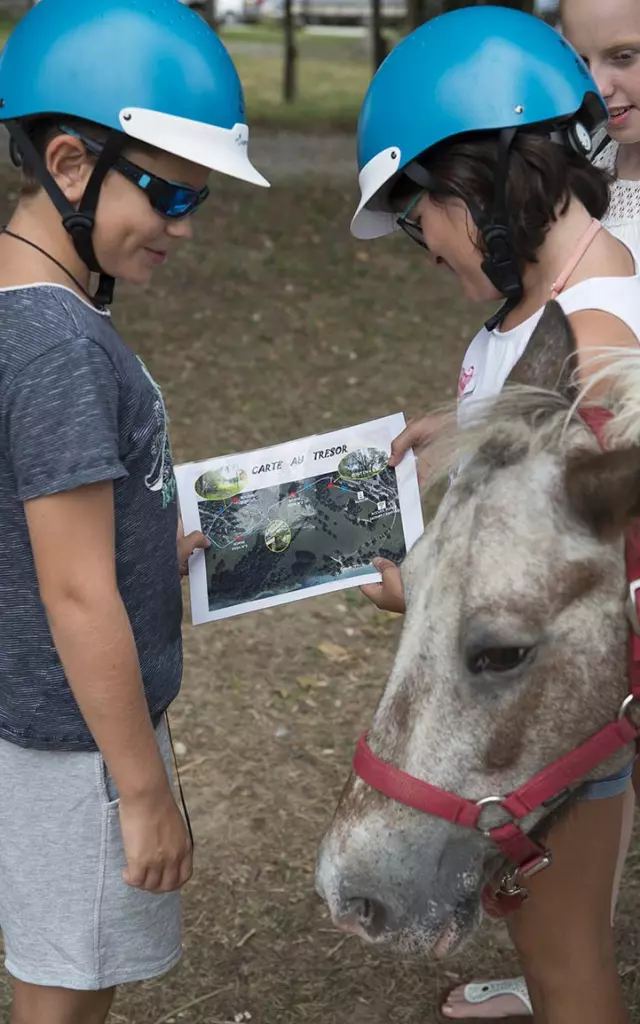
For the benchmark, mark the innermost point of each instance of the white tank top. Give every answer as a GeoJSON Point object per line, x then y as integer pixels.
{"type": "Point", "coordinates": [492, 355]}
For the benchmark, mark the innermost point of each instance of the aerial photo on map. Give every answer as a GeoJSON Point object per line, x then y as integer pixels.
{"type": "Point", "coordinates": [300, 534]}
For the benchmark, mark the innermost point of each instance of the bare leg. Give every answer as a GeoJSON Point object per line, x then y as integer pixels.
{"type": "Point", "coordinates": [628, 815]}
{"type": "Point", "coordinates": [457, 1006]}
{"type": "Point", "coordinates": [36, 1004]}
{"type": "Point", "coordinates": [563, 932]}
{"type": "Point", "coordinates": [636, 779]}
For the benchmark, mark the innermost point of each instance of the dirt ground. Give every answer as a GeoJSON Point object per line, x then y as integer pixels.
{"type": "Point", "coordinates": [271, 324]}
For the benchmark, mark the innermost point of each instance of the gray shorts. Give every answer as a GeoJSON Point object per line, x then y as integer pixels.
{"type": "Point", "coordinates": [67, 917]}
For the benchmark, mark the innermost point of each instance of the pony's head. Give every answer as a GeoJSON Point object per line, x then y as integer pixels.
{"type": "Point", "coordinates": [513, 650]}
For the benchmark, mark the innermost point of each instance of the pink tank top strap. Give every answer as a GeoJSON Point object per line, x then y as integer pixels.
{"type": "Point", "coordinates": [583, 244]}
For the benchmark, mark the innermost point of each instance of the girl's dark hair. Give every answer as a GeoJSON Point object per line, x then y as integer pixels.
{"type": "Point", "coordinates": [543, 177]}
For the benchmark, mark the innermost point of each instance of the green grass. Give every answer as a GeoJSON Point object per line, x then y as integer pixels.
{"type": "Point", "coordinates": [265, 33]}
{"type": "Point", "coordinates": [333, 75]}
{"type": "Point", "coordinates": [6, 25]}
{"type": "Point", "coordinates": [329, 93]}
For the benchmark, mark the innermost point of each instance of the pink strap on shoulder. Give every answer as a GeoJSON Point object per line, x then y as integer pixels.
{"type": "Point", "coordinates": [584, 242]}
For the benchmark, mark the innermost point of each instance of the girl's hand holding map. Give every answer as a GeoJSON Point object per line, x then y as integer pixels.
{"type": "Point", "coordinates": [417, 435]}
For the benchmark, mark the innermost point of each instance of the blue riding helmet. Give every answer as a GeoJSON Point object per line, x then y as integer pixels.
{"type": "Point", "coordinates": [150, 70]}
{"type": "Point", "coordinates": [474, 69]}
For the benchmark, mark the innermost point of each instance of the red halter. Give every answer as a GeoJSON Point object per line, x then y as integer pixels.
{"type": "Point", "coordinates": [528, 856]}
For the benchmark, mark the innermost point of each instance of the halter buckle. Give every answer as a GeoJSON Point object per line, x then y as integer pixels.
{"type": "Point", "coordinates": [533, 867]}
{"type": "Point", "coordinates": [509, 885]}
{"type": "Point", "coordinates": [631, 606]}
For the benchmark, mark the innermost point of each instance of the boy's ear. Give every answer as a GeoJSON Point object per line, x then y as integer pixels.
{"type": "Point", "coordinates": [69, 165]}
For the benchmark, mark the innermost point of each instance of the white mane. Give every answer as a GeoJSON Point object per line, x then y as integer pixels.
{"type": "Point", "coordinates": [524, 420]}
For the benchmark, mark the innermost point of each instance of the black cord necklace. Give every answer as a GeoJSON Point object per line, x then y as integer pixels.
{"type": "Point", "coordinates": [61, 266]}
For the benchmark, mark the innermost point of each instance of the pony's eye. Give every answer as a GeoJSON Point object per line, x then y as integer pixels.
{"type": "Point", "coordinates": [497, 659]}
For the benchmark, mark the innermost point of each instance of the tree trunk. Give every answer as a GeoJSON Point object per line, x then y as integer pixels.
{"type": "Point", "coordinates": [290, 54]}
{"type": "Point", "coordinates": [416, 13]}
{"type": "Point", "coordinates": [211, 14]}
{"type": "Point", "coordinates": [378, 41]}
{"type": "Point", "coordinates": [520, 5]}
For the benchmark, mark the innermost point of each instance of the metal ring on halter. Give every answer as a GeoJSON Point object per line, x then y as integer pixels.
{"type": "Point", "coordinates": [489, 801]}
{"type": "Point", "coordinates": [627, 703]}
{"type": "Point", "coordinates": [631, 607]}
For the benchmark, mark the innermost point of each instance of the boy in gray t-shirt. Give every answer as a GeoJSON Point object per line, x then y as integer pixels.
{"type": "Point", "coordinates": [117, 110]}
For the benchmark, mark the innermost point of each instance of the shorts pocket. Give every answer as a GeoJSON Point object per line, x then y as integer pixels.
{"type": "Point", "coordinates": [108, 788]}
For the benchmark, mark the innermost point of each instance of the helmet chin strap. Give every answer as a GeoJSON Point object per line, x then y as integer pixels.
{"type": "Point", "coordinates": [80, 222]}
{"type": "Point", "coordinates": [499, 264]}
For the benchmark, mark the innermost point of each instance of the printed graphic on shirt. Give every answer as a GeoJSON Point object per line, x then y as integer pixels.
{"type": "Point", "coordinates": [466, 381]}
{"type": "Point", "coordinates": [160, 476]}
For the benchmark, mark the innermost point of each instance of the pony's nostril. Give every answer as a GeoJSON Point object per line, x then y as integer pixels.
{"type": "Point", "coordinates": [366, 914]}
{"type": "Point", "coordinates": [360, 910]}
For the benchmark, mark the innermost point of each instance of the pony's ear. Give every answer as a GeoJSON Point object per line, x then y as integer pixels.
{"type": "Point", "coordinates": [550, 359]}
{"type": "Point", "coordinates": [604, 489]}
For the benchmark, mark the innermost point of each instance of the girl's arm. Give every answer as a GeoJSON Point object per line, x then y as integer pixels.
{"type": "Point", "coordinates": [595, 331]}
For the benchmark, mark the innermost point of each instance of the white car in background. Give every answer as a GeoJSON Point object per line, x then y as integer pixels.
{"type": "Point", "coordinates": [228, 12]}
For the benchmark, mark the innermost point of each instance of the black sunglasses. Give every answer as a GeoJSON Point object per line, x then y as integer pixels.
{"type": "Point", "coordinates": [168, 198]}
{"type": "Point", "coordinates": [413, 228]}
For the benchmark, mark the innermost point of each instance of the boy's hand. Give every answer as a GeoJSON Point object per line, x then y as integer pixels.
{"type": "Point", "coordinates": [156, 842]}
{"type": "Point", "coordinates": [187, 545]}
{"type": "Point", "coordinates": [389, 594]}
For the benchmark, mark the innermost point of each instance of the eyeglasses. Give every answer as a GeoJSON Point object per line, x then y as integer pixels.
{"type": "Point", "coordinates": [413, 228]}
{"type": "Point", "coordinates": [168, 198]}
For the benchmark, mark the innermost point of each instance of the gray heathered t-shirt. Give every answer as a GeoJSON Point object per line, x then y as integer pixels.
{"type": "Point", "coordinates": [77, 407]}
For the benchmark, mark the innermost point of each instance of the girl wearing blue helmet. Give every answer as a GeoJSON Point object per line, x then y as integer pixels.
{"type": "Point", "coordinates": [607, 36]}
{"type": "Point", "coordinates": [117, 111]}
{"type": "Point", "coordinates": [474, 139]}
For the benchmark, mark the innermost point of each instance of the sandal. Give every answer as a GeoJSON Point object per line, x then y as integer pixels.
{"type": "Point", "coordinates": [505, 992]}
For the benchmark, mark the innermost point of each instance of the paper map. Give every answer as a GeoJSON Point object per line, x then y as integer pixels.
{"type": "Point", "coordinates": [299, 519]}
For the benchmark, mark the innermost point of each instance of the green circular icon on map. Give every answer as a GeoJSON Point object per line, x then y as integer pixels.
{"type": "Point", "coordinates": [221, 484]}
{"type": "Point", "coordinates": [363, 463]}
{"type": "Point", "coordinates": [277, 535]}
